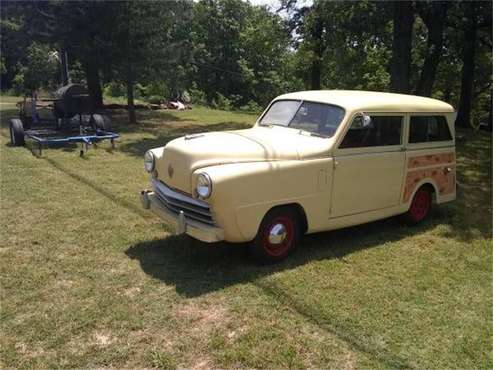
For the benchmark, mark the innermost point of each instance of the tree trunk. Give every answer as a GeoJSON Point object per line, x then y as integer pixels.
{"type": "Point", "coordinates": [468, 61]}
{"type": "Point", "coordinates": [490, 116]}
{"type": "Point", "coordinates": [130, 96]}
{"type": "Point", "coordinates": [94, 84]}
{"type": "Point", "coordinates": [65, 79]}
{"type": "Point", "coordinates": [318, 50]}
{"type": "Point", "coordinates": [401, 46]}
{"type": "Point", "coordinates": [434, 19]}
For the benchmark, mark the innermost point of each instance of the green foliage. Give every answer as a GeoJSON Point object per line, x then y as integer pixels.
{"type": "Point", "coordinates": [221, 102]}
{"type": "Point", "coordinates": [230, 53]}
{"type": "Point", "coordinates": [114, 89]}
{"type": "Point", "coordinates": [155, 99]}
{"type": "Point", "coordinates": [157, 88]}
{"type": "Point", "coordinates": [240, 52]}
{"type": "Point", "coordinates": [38, 69]}
{"type": "Point", "coordinates": [251, 106]}
{"type": "Point", "coordinates": [197, 96]}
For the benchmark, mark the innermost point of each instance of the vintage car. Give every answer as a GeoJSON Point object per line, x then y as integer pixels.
{"type": "Point", "coordinates": [313, 161]}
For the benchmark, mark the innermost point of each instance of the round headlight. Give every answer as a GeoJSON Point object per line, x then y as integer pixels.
{"type": "Point", "coordinates": [204, 186]}
{"type": "Point", "coordinates": [149, 161]}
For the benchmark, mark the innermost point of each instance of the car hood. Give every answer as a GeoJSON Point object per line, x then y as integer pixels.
{"type": "Point", "coordinates": [176, 162]}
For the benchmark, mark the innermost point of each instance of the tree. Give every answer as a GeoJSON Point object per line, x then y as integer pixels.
{"type": "Point", "coordinates": [139, 38]}
{"type": "Point", "coordinates": [476, 15]}
{"type": "Point", "coordinates": [433, 15]}
{"type": "Point", "coordinates": [400, 68]}
{"type": "Point", "coordinates": [37, 69]}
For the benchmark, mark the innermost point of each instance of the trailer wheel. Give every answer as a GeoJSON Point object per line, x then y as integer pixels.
{"type": "Point", "coordinates": [100, 122]}
{"type": "Point", "coordinates": [16, 132]}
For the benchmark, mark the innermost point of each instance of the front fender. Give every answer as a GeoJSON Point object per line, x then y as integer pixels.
{"type": "Point", "coordinates": [244, 192]}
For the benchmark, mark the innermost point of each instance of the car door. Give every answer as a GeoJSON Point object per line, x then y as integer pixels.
{"type": "Point", "coordinates": [369, 164]}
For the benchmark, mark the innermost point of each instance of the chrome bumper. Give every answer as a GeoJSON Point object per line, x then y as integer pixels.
{"type": "Point", "coordinates": [180, 223]}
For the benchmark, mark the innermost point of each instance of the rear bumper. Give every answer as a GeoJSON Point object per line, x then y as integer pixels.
{"type": "Point", "coordinates": [180, 223]}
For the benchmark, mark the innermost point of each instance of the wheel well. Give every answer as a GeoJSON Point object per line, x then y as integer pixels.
{"type": "Point", "coordinates": [431, 189]}
{"type": "Point", "coordinates": [301, 214]}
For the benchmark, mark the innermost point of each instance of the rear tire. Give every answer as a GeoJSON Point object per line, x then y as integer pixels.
{"type": "Point", "coordinates": [420, 206]}
{"type": "Point", "coordinates": [277, 237]}
{"type": "Point", "coordinates": [16, 132]}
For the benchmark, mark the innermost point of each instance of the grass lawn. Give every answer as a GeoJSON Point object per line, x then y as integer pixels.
{"type": "Point", "coordinates": [89, 279]}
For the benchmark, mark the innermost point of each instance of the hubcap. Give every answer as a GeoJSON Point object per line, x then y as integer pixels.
{"type": "Point", "coordinates": [277, 234]}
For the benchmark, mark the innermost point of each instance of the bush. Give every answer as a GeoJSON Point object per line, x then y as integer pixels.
{"type": "Point", "coordinates": [158, 88]}
{"type": "Point", "coordinates": [223, 102]}
{"type": "Point", "coordinates": [18, 84]}
{"type": "Point", "coordinates": [197, 96]}
{"type": "Point", "coordinates": [251, 106]}
{"type": "Point", "coordinates": [114, 89]}
{"type": "Point", "coordinates": [155, 99]}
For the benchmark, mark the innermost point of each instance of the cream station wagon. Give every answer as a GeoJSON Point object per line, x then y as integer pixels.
{"type": "Point", "coordinates": [313, 161]}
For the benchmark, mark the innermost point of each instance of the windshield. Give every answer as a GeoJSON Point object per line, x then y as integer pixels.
{"type": "Point", "coordinates": [317, 118]}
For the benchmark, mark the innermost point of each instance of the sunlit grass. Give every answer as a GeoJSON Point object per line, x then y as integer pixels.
{"type": "Point", "coordinates": [89, 279]}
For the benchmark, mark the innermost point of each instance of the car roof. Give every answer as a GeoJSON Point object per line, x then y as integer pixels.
{"type": "Point", "coordinates": [371, 101]}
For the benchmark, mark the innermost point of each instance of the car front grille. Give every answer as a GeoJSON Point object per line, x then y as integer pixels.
{"type": "Point", "coordinates": [175, 202]}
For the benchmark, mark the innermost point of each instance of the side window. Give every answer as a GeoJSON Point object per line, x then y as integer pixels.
{"type": "Point", "coordinates": [379, 131]}
{"type": "Point", "coordinates": [423, 129]}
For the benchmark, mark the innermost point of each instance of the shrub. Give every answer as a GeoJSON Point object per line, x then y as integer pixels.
{"type": "Point", "coordinates": [157, 88]}
{"type": "Point", "coordinates": [251, 106]}
{"type": "Point", "coordinates": [223, 102]}
{"type": "Point", "coordinates": [155, 99]}
{"type": "Point", "coordinates": [114, 89]}
{"type": "Point", "coordinates": [197, 96]}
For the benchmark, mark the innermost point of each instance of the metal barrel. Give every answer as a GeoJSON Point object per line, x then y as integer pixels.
{"type": "Point", "coordinates": [72, 99]}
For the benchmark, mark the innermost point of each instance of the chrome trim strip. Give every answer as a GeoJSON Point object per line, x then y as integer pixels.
{"type": "Point", "coordinates": [174, 194]}
{"type": "Point", "coordinates": [188, 213]}
{"type": "Point", "coordinates": [179, 203]}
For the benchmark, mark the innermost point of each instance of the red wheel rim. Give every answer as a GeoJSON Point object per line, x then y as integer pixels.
{"type": "Point", "coordinates": [278, 249]}
{"type": "Point", "coordinates": [420, 205]}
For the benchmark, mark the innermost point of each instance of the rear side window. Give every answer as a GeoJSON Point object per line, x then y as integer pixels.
{"type": "Point", "coordinates": [425, 129]}
{"type": "Point", "coordinates": [379, 131]}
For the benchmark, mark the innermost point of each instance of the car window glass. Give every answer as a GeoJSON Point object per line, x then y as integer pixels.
{"type": "Point", "coordinates": [424, 129]}
{"type": "Point", "coordinates": [379, 131]}
{"type": "Point", "coordinates": [319, 118]}
{"type": "Point", "coordinates": [280, 112]}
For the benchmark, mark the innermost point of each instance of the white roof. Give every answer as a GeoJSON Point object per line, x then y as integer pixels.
{"type": "Point", "coordinates": [371, 101]}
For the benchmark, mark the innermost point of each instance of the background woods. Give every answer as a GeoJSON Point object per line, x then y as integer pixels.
{"type": "Point", "coordinates": [234, 55]}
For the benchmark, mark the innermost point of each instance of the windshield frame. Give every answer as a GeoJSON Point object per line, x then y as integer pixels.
{"type": "Point", "coordinates": [301, 101]}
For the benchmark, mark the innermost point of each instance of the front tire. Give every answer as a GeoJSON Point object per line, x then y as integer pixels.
{"type": "Point", "coordinates": [16, 132]}
{"type": "Point", "coordinates": [420, 206]}
{"type": "Point", "coordinates": [277, 237]}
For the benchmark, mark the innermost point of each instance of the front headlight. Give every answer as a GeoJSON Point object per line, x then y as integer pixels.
{"type": "Point", "coordinates": [149, 161]}
{"type": "Point", "coordinates": [204, 185]}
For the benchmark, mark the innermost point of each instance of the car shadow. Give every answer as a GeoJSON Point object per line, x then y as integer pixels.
{"type": "Point", "coordinates": [195, 268]}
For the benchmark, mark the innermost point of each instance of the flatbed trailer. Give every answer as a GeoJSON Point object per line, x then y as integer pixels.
{"type": "Point", "coordinates": [71, 121]}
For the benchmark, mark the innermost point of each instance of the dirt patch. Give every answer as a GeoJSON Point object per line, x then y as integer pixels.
{"type": "Point", "coordinates": [204, 317]}
{"type": "Point", "coordinates": [102, 338]}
